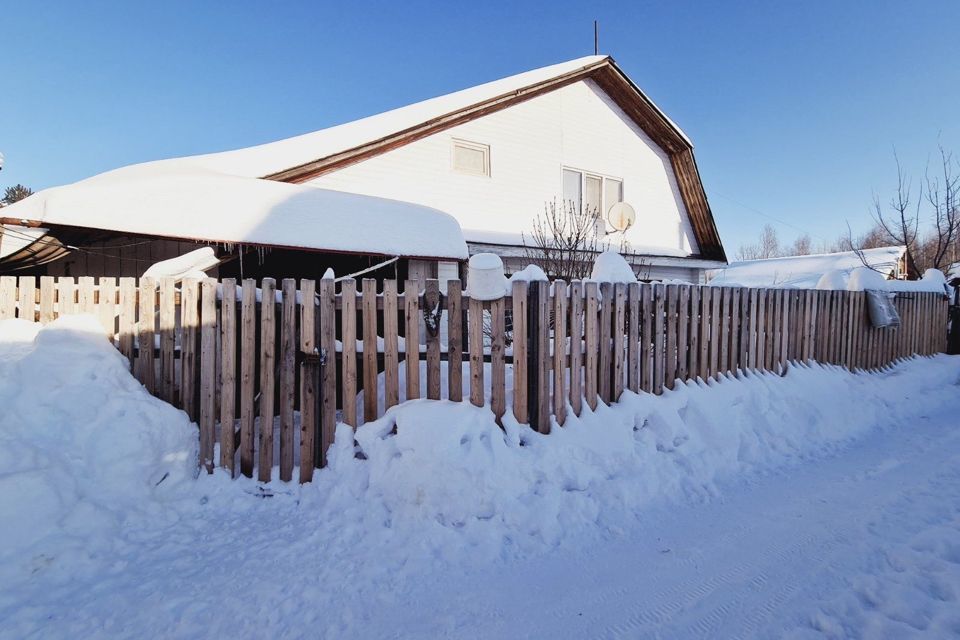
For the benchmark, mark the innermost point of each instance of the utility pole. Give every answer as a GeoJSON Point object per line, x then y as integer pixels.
{"type": "Point", "coordinates": [596, 38]}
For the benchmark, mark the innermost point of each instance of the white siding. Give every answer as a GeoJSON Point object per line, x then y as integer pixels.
{"type": "Point", "coordinates": [577, 126]}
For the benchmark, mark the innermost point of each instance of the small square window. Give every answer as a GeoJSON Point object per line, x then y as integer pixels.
{"type": "Point", "coordinates": [471, 158]}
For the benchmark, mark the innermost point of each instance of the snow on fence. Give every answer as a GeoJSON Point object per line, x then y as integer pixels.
{"type": "Point", "coordinates": [235, 364]}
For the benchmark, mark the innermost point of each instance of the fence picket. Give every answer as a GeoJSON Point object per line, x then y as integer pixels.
{"type": "Point", "coordinates": [591, 344]}
{"type": "Point", "coordinates": [8, 297]}
{"type": "Point", "coordinates": [670, 328]}
{"type": "Point", "coordinates": [391, 354]}
{"type": "Point", "coordinates": [27, 298]}
{"type": "Point", "coordinates": [168, 327]}
{"type": "Point", "coordinates": [127, 318]}
{"type": "Point", "coordinates": [248, 359]}
{"type": "Point", "coordinates": [146, 330]}
{"type": "Point", "coordinates": [619, 331]}
{"type": "Point", "coordinates": [576, 346]}
{"type": "Point", "coordinates": [189, 335]}
{"type": "Point", "coordinates": [475, 335]}
{"type": "Point", "coordinates": [646, 337]}
{"type": "Point", "coordinates": [66, 296]}
{"type": "Point", "coordinates": [208, 361]}
{"type": "Point", "coordinates": [309, 377]}
{"type": "Point", "coordinates": [268, 353]}
{"type": "Point", "coordinates": [48, 299]}
{"type": "Point", "coordinates": [328, 370]}
{"type": "Point", "coordinates": [228, 363]}
{"type": "Point", "coordinates": [633, 338]}
{"type": "Point", "coordinates": [605, 360]}
{"type": "Point", "coordinates": [432, 312]}
{"type": "Point", "coordinates": [107, 303]}
{"type": "Point", "coordinates": [659, 338]}
{"type": "Point", "coordinates": [498, 366]}
{"type": "Point", "coordinates": [693, 334]}
{"type": "Point", "coordinates": [454, 341]}
{"type": "Point", "coordinates": [86, 287]}
{"type": "Point", "coordinates": [706, 307]}
{"type": "Point", "coordinates": [348, 350]}
{"type": "Point", "coordinates": [521, 407]}
{"type": "Point", "coordinates": [288, 376]}
{"type": "Point", "coordinates": [560, 351]}
{"type": "Point", "coordinates": [411, 337]}
{"type": "Point", "coordinates": [370, 400]}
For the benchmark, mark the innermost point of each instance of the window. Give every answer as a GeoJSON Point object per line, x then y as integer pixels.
{"type": "Point", "coordinates": [592, 193]}
{"type": "Point", "coordinates": [471, 158]}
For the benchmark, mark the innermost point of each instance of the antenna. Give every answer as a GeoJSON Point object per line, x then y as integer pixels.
{"type": "Point", "coordinates": [596, 38]}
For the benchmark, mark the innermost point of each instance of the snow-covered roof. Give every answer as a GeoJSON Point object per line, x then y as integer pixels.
{"type": "Point", "coordinates": [178, 200]}
{"type": "Point", "coordinates": [273, 157]}
{"type": "Point", "coordinates": [803, 272]}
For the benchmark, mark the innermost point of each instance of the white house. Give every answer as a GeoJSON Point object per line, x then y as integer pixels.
{"type": "Point", "coordinates": [491, 156]}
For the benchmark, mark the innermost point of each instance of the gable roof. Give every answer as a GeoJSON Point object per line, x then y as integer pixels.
{"type": "Point", "coordinates": [307, 156]}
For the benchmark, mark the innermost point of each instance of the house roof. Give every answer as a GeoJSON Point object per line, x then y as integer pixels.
{"type": "Point", "coordinates": [804, 272]}
{"type": "Point", "coordinates": [255, 172]}
{"type": "Point", "coordinates": [307, 156]}
{"type": "Point", "coordinates": [175, 200]}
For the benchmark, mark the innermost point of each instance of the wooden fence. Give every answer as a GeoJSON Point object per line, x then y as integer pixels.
{"type": "Point", "coordinates": [239, 367]}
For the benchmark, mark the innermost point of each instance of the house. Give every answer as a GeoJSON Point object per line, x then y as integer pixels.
{"type": "Point", "coordinates": [804, 272]}
{"type": "Point", "coordinates": [491, 157]}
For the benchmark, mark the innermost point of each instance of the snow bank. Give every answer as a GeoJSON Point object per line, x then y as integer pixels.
{"type": "Point", "coordinates": [610, 266]}
{"type": "Point", "coordinates": [804, 272]}
{"type": "Point", "coordinates": [83, 447]}
{"type": "Point", "coordinates": [447, 471]}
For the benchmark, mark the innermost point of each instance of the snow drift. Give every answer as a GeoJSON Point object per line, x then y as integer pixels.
{"type": "Point", "coordinates": [83, 446]}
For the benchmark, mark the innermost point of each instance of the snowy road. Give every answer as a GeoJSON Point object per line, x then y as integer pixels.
{"type": "Point", "coordinates": [748, 508]}
{"type": "Point", "coordinates": [862, 544]}
{"type": "Point", "coordinates": [865, 544]}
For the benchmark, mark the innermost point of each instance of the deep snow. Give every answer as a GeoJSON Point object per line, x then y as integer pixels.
{"type": "Point", "coordinates": [816, 504]}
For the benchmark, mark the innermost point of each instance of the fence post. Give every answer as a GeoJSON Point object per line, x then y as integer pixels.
{"type": "Point", "coordinates": [208, 365]}
{"type": "Point", "coordinates": [537, 356]}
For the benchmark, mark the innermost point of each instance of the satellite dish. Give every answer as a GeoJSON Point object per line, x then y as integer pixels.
{"type": "Point", "coordinates": [621, 216]}
{"type": "Point", "coordinates": [1, 161]}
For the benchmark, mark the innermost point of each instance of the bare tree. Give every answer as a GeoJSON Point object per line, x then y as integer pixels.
{"type": "Point", "coordinates": [767, 247]}
{"type": "Point", "coordinates": [943, 192]}
{"type": "Point", "coordinates": [802, 246]}
{"type": "Point", "coordinates": [902, 222]}
{"type": "Point", "coordinates": [565, 240]}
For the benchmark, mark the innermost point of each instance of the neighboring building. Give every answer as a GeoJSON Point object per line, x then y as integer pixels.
{"type": "Point", "coordinates": [491, 156]}
{"type": "Point", "coordinates": [804, 272]}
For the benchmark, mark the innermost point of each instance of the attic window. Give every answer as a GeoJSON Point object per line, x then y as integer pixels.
{"type": "Point", "coordinates": [471, 158]}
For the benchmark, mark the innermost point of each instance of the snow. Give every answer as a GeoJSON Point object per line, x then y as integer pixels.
{"type": "Point", "coordinates": [530, 273]}
{"type": "Point", "coordinates": [485, 278]}
{"type": "Point", "coordinates": [610, 266]}
{"type": "Point", "coordinates": [863, 278]}
{"type": "Point", "coordinates": [193, 265]}
{"type": "Point", "coordinates": [83, 447]}
{"type": "Point", "coordinates": [832, 280]}
{"type": "Point", "coordinates": [178, 200]}
{"type": "Point", "coordinates": [265, 159]}
{"type": "Point", "coordinates": [803, 272]}
{"type": "Point", "coordinates": [745, 506]}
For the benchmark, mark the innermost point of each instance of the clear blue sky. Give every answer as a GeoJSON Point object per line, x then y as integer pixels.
{"type": "Point", "coordinates": [794, 108]}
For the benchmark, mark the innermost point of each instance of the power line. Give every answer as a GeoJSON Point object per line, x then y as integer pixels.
{"type": "Point", "coordinates": [767, 215]}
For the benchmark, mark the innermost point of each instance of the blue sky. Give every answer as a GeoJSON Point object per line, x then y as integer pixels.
{"type": "Point", "coordinates": [794, 108]}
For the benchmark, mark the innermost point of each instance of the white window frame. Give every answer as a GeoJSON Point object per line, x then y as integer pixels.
{"type": "Point", "coordinates": [475, 146]}
{"type": "Point", "coordinates": [584, 174]}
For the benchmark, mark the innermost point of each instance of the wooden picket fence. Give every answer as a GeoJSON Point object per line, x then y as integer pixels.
{"type": "Point", "coordinates": [238, 366]}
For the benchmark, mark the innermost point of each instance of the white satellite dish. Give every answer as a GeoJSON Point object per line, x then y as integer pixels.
{"type": "Point", "coordinates": [621, 216]}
